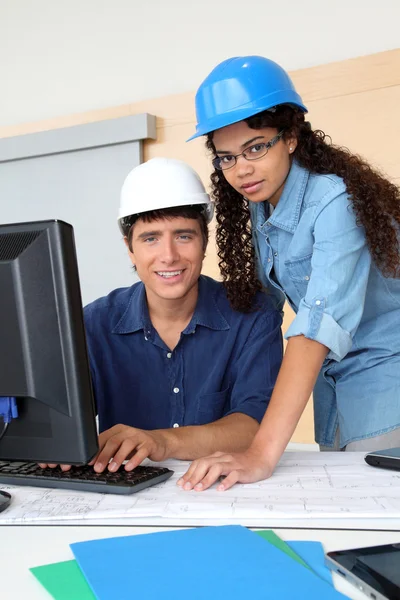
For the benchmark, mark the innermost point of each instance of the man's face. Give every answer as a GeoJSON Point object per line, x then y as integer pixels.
{"type": "Point", "coordinates": [168, 255]}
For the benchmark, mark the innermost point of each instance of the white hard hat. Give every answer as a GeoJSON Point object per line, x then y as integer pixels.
{"type": "Point", "coordinates": [162, 183]}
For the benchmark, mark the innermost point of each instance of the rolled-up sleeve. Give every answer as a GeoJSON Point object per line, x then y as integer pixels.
{"type": "Point", "coordinates": [333, 305]}
{"type": "Point", "coordinates": [256, 369]}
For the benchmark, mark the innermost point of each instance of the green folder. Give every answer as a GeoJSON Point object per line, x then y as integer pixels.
{"type": "Point", "coordinates": [275, 540]}
{"type": "Point", "coordinates": [63, 581]}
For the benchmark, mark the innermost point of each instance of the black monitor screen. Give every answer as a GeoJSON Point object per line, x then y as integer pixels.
{"type": "Point", "coordinates": [43, 356]}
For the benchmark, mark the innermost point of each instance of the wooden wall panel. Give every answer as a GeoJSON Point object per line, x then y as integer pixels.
{"type": "Point", "coordinates": [368, 123]}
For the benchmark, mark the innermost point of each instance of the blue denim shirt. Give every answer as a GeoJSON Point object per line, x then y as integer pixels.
{"type": "Point", "coordinates": [225, 361]}
{"type": "Point", "coordinates": [311, 252]}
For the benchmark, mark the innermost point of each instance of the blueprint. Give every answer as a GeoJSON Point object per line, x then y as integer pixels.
{"type": "Point", "coordinates": [305, 485]}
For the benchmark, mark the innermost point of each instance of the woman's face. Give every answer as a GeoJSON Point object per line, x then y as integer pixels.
{"type": "Point", "coordinates": [260, 179]}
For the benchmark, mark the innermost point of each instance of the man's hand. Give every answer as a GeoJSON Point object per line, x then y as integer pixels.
{"type": "Point", "coordinates": [233, 432]}
{"type": "Point", "coordinates": [54, 465]}
{"type": "Point", "coordinates": [122, 442]}
{"type": "Point", "coordinates": [244, 467]}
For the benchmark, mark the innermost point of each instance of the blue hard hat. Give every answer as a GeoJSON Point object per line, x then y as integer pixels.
{"type": "Point", "coordinates": [239, 88]}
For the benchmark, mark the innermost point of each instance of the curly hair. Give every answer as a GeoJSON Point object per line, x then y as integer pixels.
{"type": "Point", "coordinates": [375, 201]}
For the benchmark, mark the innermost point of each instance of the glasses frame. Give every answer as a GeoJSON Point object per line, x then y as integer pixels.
{"type": "Point", "coordinates": [267, 145]}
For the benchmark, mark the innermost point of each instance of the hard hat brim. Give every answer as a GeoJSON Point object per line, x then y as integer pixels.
{"type": "Point", "coordinates": [246, 111]}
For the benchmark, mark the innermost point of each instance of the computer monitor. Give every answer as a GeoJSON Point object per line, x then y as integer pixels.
{"type": "Point", "coordinates": [43, 355]}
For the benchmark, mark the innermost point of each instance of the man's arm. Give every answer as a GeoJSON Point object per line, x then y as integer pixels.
{"type": "Point", "coordinates": [234, 432]}
{"type": "Point", "coordinates": [253, 376]}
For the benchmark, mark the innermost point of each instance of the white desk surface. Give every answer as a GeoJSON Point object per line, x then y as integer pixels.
{"type": "Point", "coordinates": [309, 490]}
{"type": "Point", "coordinates": [27, 546]}
{"type": "Point", "coordinates": [24, 546]}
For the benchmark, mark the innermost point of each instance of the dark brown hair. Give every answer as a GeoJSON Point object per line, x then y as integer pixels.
{"type": "Point", "coordinates": [375, 200]}
{"type": "Point", "coordinates": [192, 211]}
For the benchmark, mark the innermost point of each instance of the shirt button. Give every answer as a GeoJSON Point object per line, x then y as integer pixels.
{"type": "Point", "coordinates": [307, 278]}
{"type": "Point", "coordinates": [169, 354]}
{"type": "Point", "coordinates": [175, 425]}
{"type": "Point", "coordinates": [176, 390]}
{"type": "Point", "coordinates": [318, 302]}
{"type": "Point", "coordinates": [275, 254]}
{"type": "Point", "coordinates": [269, 260]}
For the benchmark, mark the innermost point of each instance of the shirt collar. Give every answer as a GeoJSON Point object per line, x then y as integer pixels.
{"type": "Point", "coordinates": [136, 314]}
{"type": "Point", "coordinates": [207, 314]}
{"type": "Point", "coordinates": [287, 212]}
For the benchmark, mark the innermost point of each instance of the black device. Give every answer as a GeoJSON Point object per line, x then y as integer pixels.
{"type": "Point", "coordinates": [44, 362]}
{"type": "Point", "coordinates": [5, 499]}
{"type": "Point", "coordinates": [386, 459]}
{"type": "Point", "coordinates": [374, 570]}
{"type": "Point", "coordinates": [82, 478]}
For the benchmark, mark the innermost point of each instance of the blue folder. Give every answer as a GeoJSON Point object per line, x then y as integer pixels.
{"type": "Point", "coordinates": [210, 562]}
{"type": "Point", "coordinates": [313, 554]}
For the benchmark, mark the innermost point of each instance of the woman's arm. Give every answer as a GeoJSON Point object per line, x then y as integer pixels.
{"type": "Point", "coordinates": [299, 371]}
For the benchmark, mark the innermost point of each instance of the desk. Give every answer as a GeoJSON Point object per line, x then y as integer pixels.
{"type": "Point", "coordinates": [309, 489]}
{"type": "Point", "coordinates": [29, 546]}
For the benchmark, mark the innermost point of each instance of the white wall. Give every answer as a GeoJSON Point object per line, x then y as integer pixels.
{"type": "Point", "coordinates": [60, 57]}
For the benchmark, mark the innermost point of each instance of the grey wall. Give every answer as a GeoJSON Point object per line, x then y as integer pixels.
{"type": "Point", "coordinates": [75, 174]}
{"type": "Point", "coordinates": [66, 57]}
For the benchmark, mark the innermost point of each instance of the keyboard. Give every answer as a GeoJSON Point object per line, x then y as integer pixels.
{"type": "Point", "coordinates": [83, 479]}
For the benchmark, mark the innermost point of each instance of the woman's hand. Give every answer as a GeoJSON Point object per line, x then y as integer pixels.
{"type": "Point", "coordinates": [243, 467]}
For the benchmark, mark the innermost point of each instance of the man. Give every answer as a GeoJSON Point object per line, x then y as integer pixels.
{"type": "Point", "coordinates": [176, 372]}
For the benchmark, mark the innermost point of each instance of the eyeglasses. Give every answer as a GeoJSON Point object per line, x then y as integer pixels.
{"type": "Point", "coordinates": [222, 163]}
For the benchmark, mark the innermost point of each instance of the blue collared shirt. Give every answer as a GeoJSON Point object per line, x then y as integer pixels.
{"type": "Point", "coordinates": [311, 251]}
{"type": "Point", "coordinates": [225, 362]}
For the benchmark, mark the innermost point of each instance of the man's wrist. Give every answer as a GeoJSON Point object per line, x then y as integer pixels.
{"type": "Point", "coordinates": [170, 440]}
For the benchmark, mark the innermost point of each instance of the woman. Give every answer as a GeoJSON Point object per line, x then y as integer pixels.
{"type": "Point", "coordinates": [324, 235]}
